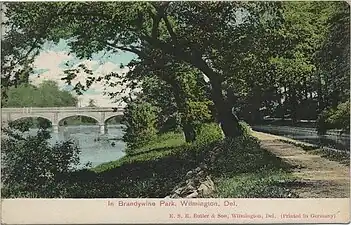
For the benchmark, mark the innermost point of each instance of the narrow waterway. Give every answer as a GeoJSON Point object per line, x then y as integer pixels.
{"type": "Point", "coordinates": [308, 135]}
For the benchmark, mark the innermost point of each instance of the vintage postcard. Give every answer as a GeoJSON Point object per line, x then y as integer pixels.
{"type": "Point", "coordinates": [135, 112]}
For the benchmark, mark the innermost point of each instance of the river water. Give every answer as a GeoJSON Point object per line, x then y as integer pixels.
{"type": "Point", "coordinates": [95, 148]}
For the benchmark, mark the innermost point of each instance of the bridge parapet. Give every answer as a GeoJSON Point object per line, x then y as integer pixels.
{"type": "Point", "coordinates": [61, 109]}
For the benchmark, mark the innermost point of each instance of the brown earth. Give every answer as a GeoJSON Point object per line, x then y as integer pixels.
{"type": "Point", "coordinates": [317, 177]}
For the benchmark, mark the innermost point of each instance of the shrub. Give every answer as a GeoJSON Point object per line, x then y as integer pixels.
{"type": "Point", "coordinates": [31, 167]}
{"type": "Point", "coordinates": [22, 125]}
{"type": "Point", "coordinates": [140, 120]}
{"type": "Point", "coordinates": [245, 128]}
{"type": "Point", "coordinates": [208, 132]}
{"type": "Point", "coordinates": [338, 118]}
{"type": "Point", "coordinates": [197, 112]}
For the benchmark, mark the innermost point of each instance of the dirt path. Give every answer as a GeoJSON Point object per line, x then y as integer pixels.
{"type": "Point", "coordinates": [320, 177]}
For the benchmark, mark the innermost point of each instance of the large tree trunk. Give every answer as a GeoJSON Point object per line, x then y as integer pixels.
{"type": "Point", "coordinates": [188, 128]}
{"type": "Point", "coordinates": [189, 132]}
{"type": "Point", "coordinates": [293, 105]}
{"type": "Point", "coordinates": [180, 98]}
{"type": "Point", "coordinates": [229, 122]}
{"type": "Point", "coordinates": [320, 93]}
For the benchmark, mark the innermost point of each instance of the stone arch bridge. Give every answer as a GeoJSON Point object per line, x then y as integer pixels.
{"type": "Point", "coordinates": [57, 114]}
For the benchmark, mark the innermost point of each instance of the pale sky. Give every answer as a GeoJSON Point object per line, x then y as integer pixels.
{"type": "Point", "coordinates": [50, 64]}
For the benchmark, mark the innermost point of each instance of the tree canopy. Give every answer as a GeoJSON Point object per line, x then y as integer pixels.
{"type": "Point", "coordinates": [197, 33]}
{"type": "Point", "coordinates": [260, 58]}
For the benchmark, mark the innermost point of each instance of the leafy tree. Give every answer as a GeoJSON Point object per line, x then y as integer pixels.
{"type": "Point", "coordinates": [17, 56]}
{"type": "Point", "coordinates": [197, 33]}
{"type": "Point", "coordinates": [47, 94]}
{"type": "Point", "coordinates": [281, 75]}
{"type": "Point", "coordinates": [301, 35]}
{"type": "Point", "coordinates": [31, 167]}
{"type": "Point", "coordinates": [333, 58]}
{"type": "Point", "coordinates": [159, 94]}
{"type": "Point", "coordinates": [338, 118]}
{"type": "Point", "coordinates": [264, 58]}
{"type": "Point", "coordinates": [140, 121]}
{"type": "Point", "coordinates": [183, 96]}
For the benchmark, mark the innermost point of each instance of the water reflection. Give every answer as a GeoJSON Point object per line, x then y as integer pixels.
{"type": "Point", "coordinates": [95, 148]}
{"type": "Point", "coordinates": [308, 135]}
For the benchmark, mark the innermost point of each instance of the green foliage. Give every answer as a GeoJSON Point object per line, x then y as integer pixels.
{"type": "Point", "coordinates": [208, 132]}
{"type": "Point", "coordinates": [161, 141]}
{"type": "Point", "coordinates": [140, 121]}
{"type": "Point", "coordinates": [47, 94]}
{"type": "Point", "coordinates": [150, 171]}
{"type": "Point", "coordinates": [159, 94]}
{"type": "Point", "coordinates": [245, 128]}
{"type": "Point", "coordinates": [277, 58]}
{"type": "Point", "coordinates": [198, 111]}
{"type": "Point", "coordinates": [18, 50]}
{"type": "Point", "coordinates": [297, 69]}
{"type": "Point", "coordinates": [338, 118]}
{"type": "Point", "coordinates": [160, 34]}
{"type": "Point", "coordinates": [179, 94]}
{"type": "Point", "coordinates": [234, 161]}
{"type": "Point", "coordinates": [22, 125]}
{"type": "Point", "coordinates": [31, 167]}
{"type": "Point", "coordinates": [241, 155]}
{"type": "Point", "coordinates": [334, 56]}
{"type": "Point", "coordinates": [140, 174]}
{"type": "Point", "coordinates": [266, 184]}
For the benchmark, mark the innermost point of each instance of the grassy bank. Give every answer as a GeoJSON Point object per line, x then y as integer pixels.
{"type": "Point", "coordinates": [239, 167]}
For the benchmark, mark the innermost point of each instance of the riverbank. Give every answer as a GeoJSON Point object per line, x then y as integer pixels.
{"type": "Point", "coordinates": [255, 165]}
{"type": "Point", "coordinates": [317, 176]}
{"type": "Point", "coordinates": [240, 168]}
{"type": "Point", "coordinates": [258, 166]}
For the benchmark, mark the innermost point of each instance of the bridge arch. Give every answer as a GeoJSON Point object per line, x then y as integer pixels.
{"type": "Point", "coordinates": [94, 116]}
{"type": "Point", "coordinates": [108, 118]}
{"type": "Point", "coordinates": [60, 119]}
{"type": "Point", "coordinates": [19, 117]}
{"type": "Point", "coordinates": [35, 121]}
